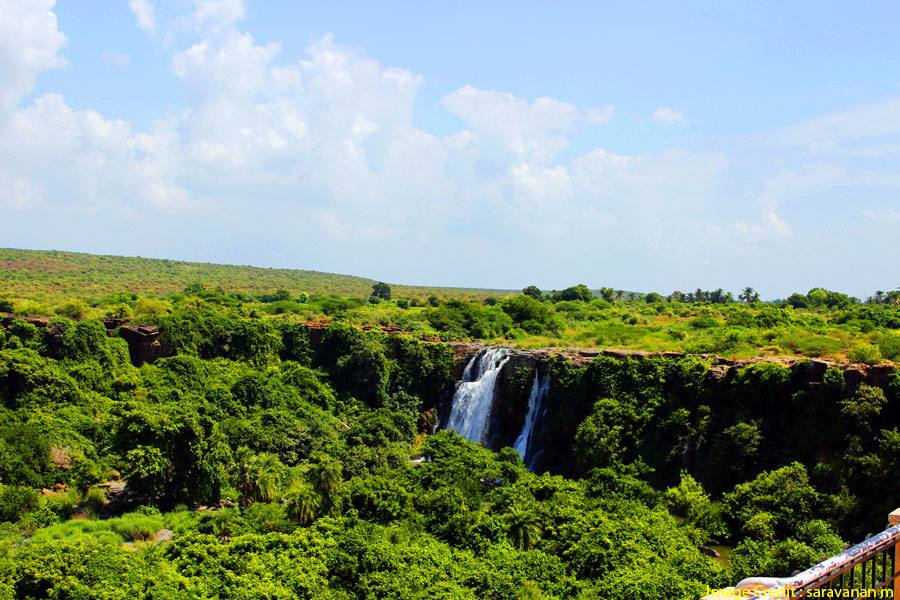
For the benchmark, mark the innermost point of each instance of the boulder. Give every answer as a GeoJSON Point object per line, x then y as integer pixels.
{"type": "Point", "coordinates": [163, 535]}
{"type": "Point", "coordinates": [143, 345]}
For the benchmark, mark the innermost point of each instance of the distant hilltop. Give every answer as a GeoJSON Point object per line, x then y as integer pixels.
{"type": "Point", "coordinates": [49, 273]}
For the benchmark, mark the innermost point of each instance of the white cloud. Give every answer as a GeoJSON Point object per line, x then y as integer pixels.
{"type": "Point", "coordinates": [29, 44]}
{"type": "Point", "coordinates": [115, 58]}
{"type": "Point", "coordinates": [766, 227]}
{"type": "Point", "coordinates": [320, 153]}
{"type": "Point", "coordinates": [80, 160]}
{"type": "Point", "coordinates": [328, 140]}
{"type": "Point", "coordinates": [218, 12]}
{"type": "Point", "coordinates": [513, 129]}
{"type": "Point", "coordinates": [670, 116]}
{"type": "Point", "coordinates": [144, 14]}
{"type": "Point", "coordinates": [18, 192]}
{"type": "Point", "coordinates": [871, 120]}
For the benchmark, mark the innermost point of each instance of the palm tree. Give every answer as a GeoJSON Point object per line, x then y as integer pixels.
{"type": "Point", "coordinates": [244, 481]}
{"type": "Point", "coordinates": [222, 524]}
{"type": "Point", "coordinates": [749, 295]}
{"type": "Point", "coordinates": [326, 476]}
{"type": "Point", "coordinates": [302, 503]}
{"type": "Point", "coordinates": [523, 527]}
{"type": "Point", "coordinates": [268, 475]}
{"type": "Point", "coordinates": [258, 477]}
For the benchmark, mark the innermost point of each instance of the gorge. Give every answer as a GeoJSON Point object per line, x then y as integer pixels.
{"type": "Point", "coordinates": [472, 406]}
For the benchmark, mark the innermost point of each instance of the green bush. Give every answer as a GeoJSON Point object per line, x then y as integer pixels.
{"type": "Point", "coordinates": [866, 354]}
{"type": "Point", "coordinates": [16, 501]}
{"type": "Point", "coordinates": [889, 344]}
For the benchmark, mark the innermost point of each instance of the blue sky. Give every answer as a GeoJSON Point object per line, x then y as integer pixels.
{"type": "Point", "coordinates": [648, 146]}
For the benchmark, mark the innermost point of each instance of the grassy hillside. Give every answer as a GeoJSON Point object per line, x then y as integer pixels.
{"type": "Point", "coordinates": [49, 275]}
{"type": "Point", "coordinates": [819, 323]}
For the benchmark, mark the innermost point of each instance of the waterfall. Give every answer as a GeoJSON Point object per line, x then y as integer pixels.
{"type": "Point", "coordinates": [536, 411]}
{"type": "Point", "coordinates": [471, 406]}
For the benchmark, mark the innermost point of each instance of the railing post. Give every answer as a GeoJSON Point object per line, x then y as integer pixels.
{"type": "Point", "coordinates": [894, 519]}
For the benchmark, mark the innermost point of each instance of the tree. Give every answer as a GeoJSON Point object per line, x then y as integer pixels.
{"type": "Point", "coordinates": [303, 503]}
{"type": "Point", "coordinates": [864, 406]}
{"type": "Point", "coordinates": [381, 290]}
{"type": "Point", "coordinates": [748, 295]}
{"type": "Point", "coordinates": [255, 341]}
{"type": "Point", "coordinates": [356, 362]}
{"type": "Point", "coordinates": [576, 292]}
{"type": "Point", "coordinates": [533, 291]}
{"type": "Point", "coordinates": [797, 300]}
{"type": "Point", "coordinates": [523, 527]}
{"type": "Point", "coordinates": [532, 315]}
{"type": "Point", "coordinates": [720, 296]}
{"type": "Point", "coordinates": [258, 477]}
{"type": "Point", "coordinates": [786, 494]}
{"type": "Point", "coordinates": [607, 293]}
{"type": "Point", "coordinates": [172, 450]}
{"type": "Point", "coordinates": [325, 476]}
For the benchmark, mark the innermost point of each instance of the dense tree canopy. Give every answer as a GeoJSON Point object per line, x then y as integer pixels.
{"type": "Point", "coordinates": [292, 459]}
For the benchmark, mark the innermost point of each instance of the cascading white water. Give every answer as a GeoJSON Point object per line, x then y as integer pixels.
{"type": "Point", "coordinates": [470, 409]}
{"type": "Point", "coordinates": [539, 389]}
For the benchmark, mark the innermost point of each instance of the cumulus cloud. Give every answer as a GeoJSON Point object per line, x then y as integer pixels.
{"type": "Point", "coordinates": [144, 12]}
{"type": "Point", "coordinates": [831, 132]}
{"type": "Point", "coordinates": [318, 157]}
{"type": "Point", "coordinates": [29, 44]}
{"type": "Point", "coordinates": [79, 160]}
{"type": "Point", "coordinates": [218, 12]}
{"type": "Point", "coordinates": [327, 142]}
{"type": "Point", "coordinates": [667, 115]}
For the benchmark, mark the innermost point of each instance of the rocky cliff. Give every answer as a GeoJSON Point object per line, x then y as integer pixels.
{"type": "Point", "coordinates": [513, 383]}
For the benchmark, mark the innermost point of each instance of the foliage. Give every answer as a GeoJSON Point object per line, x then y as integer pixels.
{"type": "Point", "coordinates": [276, 444]}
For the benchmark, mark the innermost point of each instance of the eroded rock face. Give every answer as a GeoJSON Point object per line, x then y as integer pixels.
{"type": "Point", "coordinates": [53, 339]}
{"type": "Point", "coordinates": [812, 370]}
{"type": "Point", "coordinates": [510, 401]}
{"type": "Point", "coordinates": [463, 352]}
{"type": "Point", "coordinates": [143, 345]}
{"type": "Point", "coordinates": [512, 388]}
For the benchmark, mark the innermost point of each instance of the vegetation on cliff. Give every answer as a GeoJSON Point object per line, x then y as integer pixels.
{"type": "Point", "coordinates": [817, 323]}
{"type": "Point", "coordinates": [279, 442]}
{"type": "Point", "coordinates": [263, 459]}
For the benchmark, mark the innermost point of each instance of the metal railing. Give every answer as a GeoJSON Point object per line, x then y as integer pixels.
{"type": "Point", "coordinates": [867, 570]}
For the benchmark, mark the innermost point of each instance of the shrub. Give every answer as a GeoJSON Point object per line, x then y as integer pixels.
{"type": "Point", "coordinates": [576, 292]}
{"type": "Point", "coordinates": [866, 354]}
{"type": "Point", "coordinates": [704, 322]}
{"type": "Point", "coordinates": [16, 501]}
{"type": "Point", "coordinates": [356, 362]}
{"type": "Point", "coordinates": [137, 526]}
{"type": "Point", "coordinates": [6, 303]}
{"type": "Point", "coordinates": [532, 315]}
{"type": "Point", "coordinates": [73, 310]}
{"type": "Point", "coordinates": [889, 344]}
{"type": "Point", "coordinates": [94, 500]}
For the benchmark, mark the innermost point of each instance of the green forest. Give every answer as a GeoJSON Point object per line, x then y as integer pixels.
{"type": "Point", "coordinates": [285, 442]}
{"type": "Point", "coordinates": [812, 323]}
